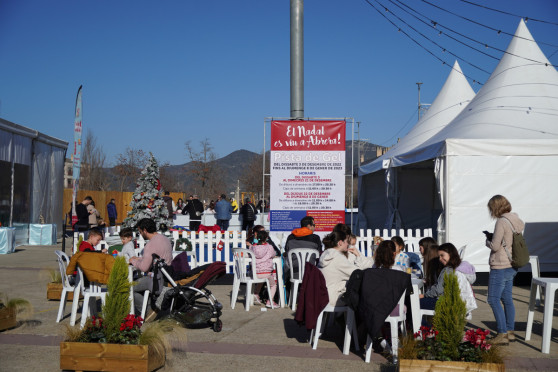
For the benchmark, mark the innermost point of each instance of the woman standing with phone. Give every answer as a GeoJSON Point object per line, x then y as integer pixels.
{"type": "Point", "coordinates": [500, 280]}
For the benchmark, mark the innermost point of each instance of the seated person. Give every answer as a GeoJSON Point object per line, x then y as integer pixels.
{"type": "Point", "coordinates": [338, 262]}
{"type": "Point", "coordinates": [157, 244]}
{"type": "Point", "coordinates": [449, 258]}
{"type": "Point", "coordinates": [128, 249]}
{"type": "Point", "coordinates": [264, 254]}
{"type": "Point", "coordinates": [431, 263]}
{"type": "Point", "coordinates": [384, 256]}
{"type": "Point", "coordinates": [401, 258]}
{"type": "Point", "coordinates": [252, 234]}
{"type": "Point", "coordinates": [302, 237]}
{"type": "Point", "coordinates": [95, 236]}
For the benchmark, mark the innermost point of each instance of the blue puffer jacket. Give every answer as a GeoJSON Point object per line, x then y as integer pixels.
{"type": "Point", "coordinates": [223, 210]}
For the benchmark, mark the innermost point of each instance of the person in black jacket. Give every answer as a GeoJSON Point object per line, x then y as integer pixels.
{"type": "Point", "coordinates": [82, 223]}
{"type": "Point", "coordinates": [248, 213]}
{"type": "Point", "coordinates": [194, 208]}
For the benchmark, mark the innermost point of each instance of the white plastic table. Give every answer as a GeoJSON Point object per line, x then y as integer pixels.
{"type": "Point", "coordinates": [550, 285]}
{"type": "Point", "coordinates": [415, 303]}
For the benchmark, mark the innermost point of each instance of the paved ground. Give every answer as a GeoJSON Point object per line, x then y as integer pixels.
{"type": "Point", "coordinates": [250, 341]}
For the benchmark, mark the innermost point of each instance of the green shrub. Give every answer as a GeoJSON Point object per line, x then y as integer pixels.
{"type": "Point", "coordinates": [117, 304]}
{"type": "Point", "coordinates": [449, 318]}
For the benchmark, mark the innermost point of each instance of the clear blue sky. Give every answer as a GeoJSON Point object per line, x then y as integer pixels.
{"type": "Point", "coordinates": [158, 73]}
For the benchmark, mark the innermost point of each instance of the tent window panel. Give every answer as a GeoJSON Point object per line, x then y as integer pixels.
{"type": "Point", "coordinates": [5, 189]}
{"type": "Point", "coordinates": [417, 198]}
{"type": "Point", "coordinates": [22, 176]}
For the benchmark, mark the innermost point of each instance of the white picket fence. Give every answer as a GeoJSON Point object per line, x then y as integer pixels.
{"type": "Point", "coordinates": [365, 242]}
{"type": "Point", "coordinates": [205, 245]}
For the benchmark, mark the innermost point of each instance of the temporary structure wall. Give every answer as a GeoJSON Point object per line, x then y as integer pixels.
{"type": "Point", "coordinates": [504, 142]}
{"type": "Point", "coordinates": [381, 202]}
{"type": "Point", "coordinates": [32, 165]}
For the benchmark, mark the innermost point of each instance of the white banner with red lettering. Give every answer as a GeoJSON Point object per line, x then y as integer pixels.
{"type": "Point", "coordinates": [307, 173]}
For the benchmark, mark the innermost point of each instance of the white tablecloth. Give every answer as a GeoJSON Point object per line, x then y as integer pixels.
{"type": "Point", "coordinates": [7, 240]}
{"type": "Point", "coordinates": [42, 234]}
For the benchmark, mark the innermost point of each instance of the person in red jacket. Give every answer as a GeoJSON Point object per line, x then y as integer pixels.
{"type": "Point", "coordinates": [95, 236]}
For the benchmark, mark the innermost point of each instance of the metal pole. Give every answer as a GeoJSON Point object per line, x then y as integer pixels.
{"type": "Point", "coordinates": [418, 85]}
{"type": "Point", "coordinates": [358, 141]}
{"type": "Point", "coordinates": [263, 179]}
{"type": "Point", "coordinates": [352, 169]}
{"type": "Point", "coordinates": [297, 59]}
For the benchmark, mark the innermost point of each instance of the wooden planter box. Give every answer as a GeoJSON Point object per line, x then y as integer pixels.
{"type": "Point", "coordinates": [7, 318]}
{"type": "Point", "coordinates": [416, 365]}
{"type": "Point", "coordinates": [82, 356]}
{"type": "Point", "coordinates": [54, 292]}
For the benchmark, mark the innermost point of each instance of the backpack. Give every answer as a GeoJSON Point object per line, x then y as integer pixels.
{"type": "Point", "coordinates": [520, 253]}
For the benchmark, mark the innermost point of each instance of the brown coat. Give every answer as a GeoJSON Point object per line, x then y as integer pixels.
{"type": "Point", "coordinates": [96, 266]}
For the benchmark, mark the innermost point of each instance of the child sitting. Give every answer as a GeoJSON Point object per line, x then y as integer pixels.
{"type": "Point", "coordinates": [401, 258]}
{"type": "Point", "coordinates": [264, 253]}
{"type": "Point", "coordinates": [95, 236]}
{"type": "Point", "coordinates": [128, 251]}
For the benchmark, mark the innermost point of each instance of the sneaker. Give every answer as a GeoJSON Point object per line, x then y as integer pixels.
{"type": "Point", "coordinates": [257, 300]}
{"type": "Point", "coordinates": [268, 304]}
{"type": "Point", "coordinates": [511, 336]}
{"type": "Point", "coordinates": [500, 339]}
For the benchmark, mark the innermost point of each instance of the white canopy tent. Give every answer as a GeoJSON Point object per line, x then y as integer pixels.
{"type": "Point", "coordinates": [375, 201]}
{"type": "Point", "coordinates": [504, 142]}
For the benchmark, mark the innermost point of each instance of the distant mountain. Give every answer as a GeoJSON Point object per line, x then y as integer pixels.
{"type": "Point", "coordinates": [233, 165]}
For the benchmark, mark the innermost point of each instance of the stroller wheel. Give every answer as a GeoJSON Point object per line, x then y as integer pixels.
{"type": "Point", "coordinates": [218, 326]}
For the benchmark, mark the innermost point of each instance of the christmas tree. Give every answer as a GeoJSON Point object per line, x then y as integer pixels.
{"type": "Point", "coordinates": [147, 201]}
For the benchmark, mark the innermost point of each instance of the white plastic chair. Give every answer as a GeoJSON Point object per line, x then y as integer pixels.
{"type": "Point", "coordinates": [350, 327]}
{"type": "Point", "coordinates": [462, 251]}
{"type": "Point", "coordinates": [244, 258]}
{"type": "Point", "coordinates": [93, 290]}
{"type": "Point", "coordinates": [63, 261]}
{"type": "Point", "coordinates": [394, 321]}
{"type": "Point", "coordinates": [302, 255]}
{"type": "Point", "coordinates": [536, 273]}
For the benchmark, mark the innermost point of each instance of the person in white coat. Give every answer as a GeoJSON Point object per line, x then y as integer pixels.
{"type": "Point", "coordinates": [338, 262]}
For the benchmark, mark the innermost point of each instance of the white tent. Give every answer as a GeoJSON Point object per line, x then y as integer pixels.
{"type": "Point", "coordinates": [504, 142]}
{"type": "Point", "coordinates": [375, 202]}
{"type": "Point", "coordinates": [32, 176]}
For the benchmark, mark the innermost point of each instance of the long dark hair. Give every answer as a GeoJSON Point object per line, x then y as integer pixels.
{"type": "Point", "coordinates": [252, 232]}
{"type": "Point", "coordinates": [384, 255]}
{"type": "Point", "coordinates": [432, 265]}
{"type": "Point", "coordinates": [450, 249]}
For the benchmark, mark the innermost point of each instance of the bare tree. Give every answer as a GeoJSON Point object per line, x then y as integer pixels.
{"type": "Point", "coordinates": [93, 175]}
{"type": "Point", "coordinates": [203, 169]}
{"type": "Point", "coordinates": [251, 178]}
{"type": "Point", "coordinates": [128, 168]}
{"type": "Point", "coordinates": [170, 179]}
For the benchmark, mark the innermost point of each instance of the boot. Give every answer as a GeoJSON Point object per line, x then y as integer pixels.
{"type": "Point", "coordinates": [500, 339]}
{"type": "Point", "coordinates": [511, 336]}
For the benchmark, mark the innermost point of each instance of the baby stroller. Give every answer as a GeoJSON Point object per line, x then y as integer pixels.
{"type": "Point", "coordinates": [192, 305]}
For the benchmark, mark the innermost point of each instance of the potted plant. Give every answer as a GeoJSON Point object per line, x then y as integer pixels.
{"type": "Point", "coordinates": [446, 344]}
{"type": "Point", "coordinates": [116, 340]}
{"type": "Point", "coordinates": [10, 309]}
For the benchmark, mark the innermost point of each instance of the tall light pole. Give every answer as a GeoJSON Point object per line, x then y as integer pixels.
{"type": "Point", "coordinates": [297, 59]}
{"type": "Point", "coordinates": [419, 107]}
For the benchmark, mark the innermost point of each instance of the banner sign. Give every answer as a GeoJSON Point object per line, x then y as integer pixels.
{"type": "Point", "coordinates": [76, 155]}
{"type": "Point", "coordinates": [307, 173]}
